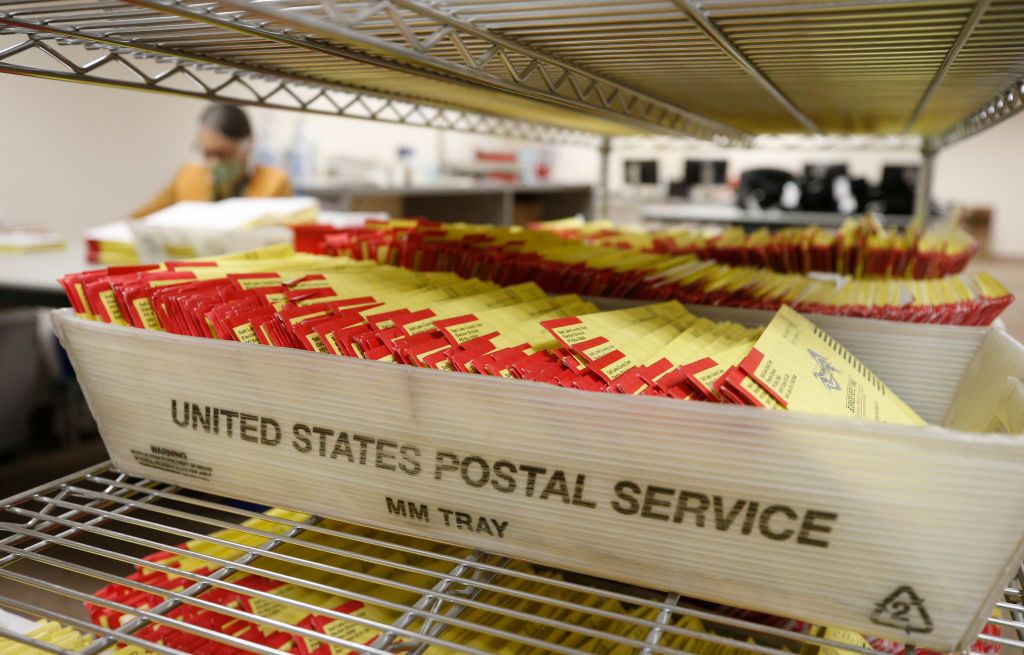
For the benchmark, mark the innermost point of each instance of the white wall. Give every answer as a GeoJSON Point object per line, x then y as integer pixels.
{"type": "Point", "coordinates": [371, 148]}
{"type": "Point", "coordinates": [988, 170]}
{"type": "Point", "coordinates": [75, 155]}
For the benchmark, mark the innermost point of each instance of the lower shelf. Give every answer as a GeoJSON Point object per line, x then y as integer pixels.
{"type": "Point", "coordinates": [61, 543]}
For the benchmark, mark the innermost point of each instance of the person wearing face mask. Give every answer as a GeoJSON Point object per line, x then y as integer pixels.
{"type": "Point", "coordinates": [225, 141]}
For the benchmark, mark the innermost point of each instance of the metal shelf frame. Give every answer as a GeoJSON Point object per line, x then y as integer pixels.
{"type": "Point", "coordinates": [523, 70]}
{"type": "Point", "coordinates": [60, 542]}
{"type": "Point", "coordinates": [102, 61]}
{"type": "Point", "coordinates": [594, 66]}
{"type": "Point", "coordinates": [1000, 107]}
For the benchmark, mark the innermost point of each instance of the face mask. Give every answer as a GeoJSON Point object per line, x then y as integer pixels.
{"type": "Point", "coordinates": [226, 176]}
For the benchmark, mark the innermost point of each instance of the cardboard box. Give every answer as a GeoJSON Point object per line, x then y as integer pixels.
{"type": "Point", "coordinates": [904, 532]}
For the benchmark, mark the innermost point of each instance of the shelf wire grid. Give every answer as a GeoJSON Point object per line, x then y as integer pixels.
{"type": "Point", "coordinates": [762, 66]}
{"type": "Point", "coordinates": [63, 541]}
{"type": "Point", "coordinates": [88, 43]}
{"type": "Point", "coordinates": [244, 48]}
{"type": "Point", "coordinates": [719, 69]}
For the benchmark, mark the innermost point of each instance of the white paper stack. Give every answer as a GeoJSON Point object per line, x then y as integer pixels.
{"type": "Point", "coordinates": [349, 219]}
{"type": "Point", "coordinates": [234, 214]}
{"type": "Point", "coordinates": [112, 244]}
{"type": "Point", "coordinates": [23, 240]}
{"type": "Point", "coordinates": [199, 229]}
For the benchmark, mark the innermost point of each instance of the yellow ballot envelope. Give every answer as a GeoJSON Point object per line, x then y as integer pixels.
{"type": "Point", "coordinates": [795, 365]}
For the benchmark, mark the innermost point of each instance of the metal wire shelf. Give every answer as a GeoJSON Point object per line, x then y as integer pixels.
{"type": "Point", "coordinates": [62, 541]}
{"type": "Point", "coordinates": [59, 54]}
{"type": "Point", "coordinates": [719, 69]}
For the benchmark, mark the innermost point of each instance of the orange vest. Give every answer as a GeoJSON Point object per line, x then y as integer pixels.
{"type": "Point", "coordinates": [194, 182]}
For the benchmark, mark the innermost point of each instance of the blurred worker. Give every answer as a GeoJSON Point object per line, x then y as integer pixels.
{"type": "Point", "coordinates": [225, 141]}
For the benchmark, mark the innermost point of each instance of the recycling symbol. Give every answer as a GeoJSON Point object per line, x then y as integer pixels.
{"type": "Point", "coordinates": [903, 609]}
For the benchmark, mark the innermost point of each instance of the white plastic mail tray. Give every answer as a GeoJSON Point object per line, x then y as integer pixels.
{"type": "Point", "coordinates": [895, 531]}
